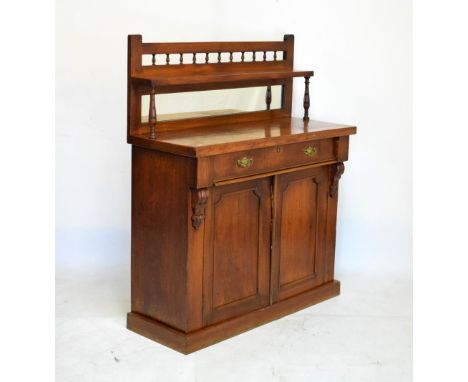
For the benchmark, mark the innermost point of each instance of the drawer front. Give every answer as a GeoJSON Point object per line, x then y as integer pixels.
{"type": "Point", "coordinates": [257, 161]}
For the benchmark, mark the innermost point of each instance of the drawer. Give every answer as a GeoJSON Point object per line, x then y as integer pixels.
{"type": "Point", "coordinates": [257, 161]}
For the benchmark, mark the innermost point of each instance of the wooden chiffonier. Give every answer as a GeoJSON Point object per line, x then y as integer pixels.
{"type": "Point", "coordinates": [233, 215]}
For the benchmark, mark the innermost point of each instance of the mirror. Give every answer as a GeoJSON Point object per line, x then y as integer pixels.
{"type": "Point", "coordinates": [198, 104]}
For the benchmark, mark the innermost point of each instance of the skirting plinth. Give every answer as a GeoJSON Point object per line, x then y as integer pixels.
{"type": "Point", "coordinates": [189, 342]}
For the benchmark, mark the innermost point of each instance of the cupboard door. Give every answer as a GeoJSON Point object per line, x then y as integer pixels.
{"type": "Point", "coordinates": [299, 249]}
{"type": "Point", "coordinates": [237, 250]}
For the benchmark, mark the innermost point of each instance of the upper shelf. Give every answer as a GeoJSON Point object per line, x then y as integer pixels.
{"type": "Point", "coordinates": [213, 78]}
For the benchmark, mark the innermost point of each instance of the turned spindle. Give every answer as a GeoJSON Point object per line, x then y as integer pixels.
{"type": "Point", "coordinates": [152, 114]}
{"type": "Point", "coordinates": [153, 59]}
{"type": "Point", "coordinates": [306, 99]}
{"type": "Point", "coordinates": [268, 97]}
{"type": "Point", "coordinates": [219, 57]}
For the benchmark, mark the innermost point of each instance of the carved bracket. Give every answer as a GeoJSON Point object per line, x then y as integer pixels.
{"type": "Point", "coordinates": [199, 200]}
{"type": "Point", "coordinates": [339, 170]}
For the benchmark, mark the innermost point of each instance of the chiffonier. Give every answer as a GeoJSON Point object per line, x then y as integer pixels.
{"type": "Point", "coordinates": [233, 214]}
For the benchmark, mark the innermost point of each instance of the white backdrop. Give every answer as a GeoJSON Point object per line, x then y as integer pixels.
{"type": "Point", "coordinates": [360, 51]}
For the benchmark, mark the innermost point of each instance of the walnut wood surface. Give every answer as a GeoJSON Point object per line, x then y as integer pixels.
{"type": "Point", "coordinates": [237, 250]}
{"type": "Point", "coordinates": [272, 158]}
{"type": "Point", "coordinates": [154, 78]}
{"type": "Point", "coordinates": [233, 216]}
{"type": "Point", "coordinates": [143, 79]}
{"type": "Point", "coordinates": [187, 343]}
{"type": "Point", "coordinates": [216, 46]}
{"type": "Point", "coordinates": [299, 247]}
{"type": "Point", "coordinates": [233, 137]}
{"type": "Point", "coordinates": [159, 249]}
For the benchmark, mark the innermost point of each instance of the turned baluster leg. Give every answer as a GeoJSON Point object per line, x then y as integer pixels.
{"type": "Point", "coordinates": [268, 97]}
{"type": "Point", "coordinates": [152, 114]}
{"type": "Point", "coordinates": [306, 100]}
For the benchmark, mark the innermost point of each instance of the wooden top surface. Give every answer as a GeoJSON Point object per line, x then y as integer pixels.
{"type": "Point", "coordinates": [225, 138]}
{"type": "Point", "coordinates": [216, 77]}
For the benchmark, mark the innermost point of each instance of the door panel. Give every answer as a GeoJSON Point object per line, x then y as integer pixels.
{"type": "Point", "coordinates": [298, 231]}
{"type": "Point", "coordinates": [300, 213]}
{"type": "Point", "coordinates": [237, 259]}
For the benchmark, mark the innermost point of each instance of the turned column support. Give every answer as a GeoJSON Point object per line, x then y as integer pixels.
{"type": "Point", "coordinates": [199, 201]}
{"type": "Point", "coordinates": [152, 114]}
{"type": "Point", "coordinates": [268, 97]}
{"type": "Point", "coordinates": [306, 99]}
{"type": "Point", "coordinates": [339, 170]}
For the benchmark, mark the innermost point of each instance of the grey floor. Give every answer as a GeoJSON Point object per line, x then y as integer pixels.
{"type": "Point", "coordinates": [362, 335]}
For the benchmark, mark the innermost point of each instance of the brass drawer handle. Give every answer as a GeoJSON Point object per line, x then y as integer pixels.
{"type": "Point", "coordinates": [245, 162]}
{"type": "Point", "coordinates": [310, 151]}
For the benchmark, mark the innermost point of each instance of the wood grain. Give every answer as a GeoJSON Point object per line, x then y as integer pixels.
{"type": "Point", "coordinates": [221, 138]}
{"type": "Point", "coordinates": [233, 216]}
{"type": "Point", "coordinates": [187, 343]}
{"type": "Point", "coordinates": [299, 246]}
{"type": "Point", "coordinates": [237, 251]}
{"type": "Point", "coordinates": [159, 235]}
{"type": "Point", "coordinates": [143, 79]}
{"type": "Point", "coordinates": [155, 78]}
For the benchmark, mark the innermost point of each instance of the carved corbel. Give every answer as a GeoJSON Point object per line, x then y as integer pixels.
{"type": "Point", "coordinates": [339, 170]}
{"type": "Point", "coordinates": [199, 200]}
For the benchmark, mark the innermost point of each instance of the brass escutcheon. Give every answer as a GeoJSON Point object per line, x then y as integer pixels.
{"type": "Point", "coordinates": [310, 151]}
{"type": "Point", "coordinates": [245, 162]}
